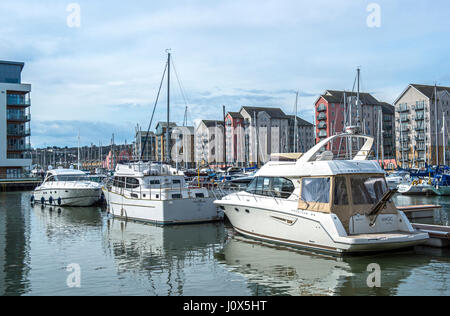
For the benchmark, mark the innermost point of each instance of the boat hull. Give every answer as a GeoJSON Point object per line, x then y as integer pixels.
{"type": "Point", "coordinates": [163, 212]}
{"type": "Point", "coordinates": [316, 231]}
{"type": "Point", "coordinates": [68, 197]}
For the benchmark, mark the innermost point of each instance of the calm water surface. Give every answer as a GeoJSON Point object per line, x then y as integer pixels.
{"type": "Point", "coordinates": [118, 258]}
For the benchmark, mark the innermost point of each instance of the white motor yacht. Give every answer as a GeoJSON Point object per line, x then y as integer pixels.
{"type": "Point", "coordinates": [158, 194]}
{"type": "Point", "coordinates": [417, 187]}
{"type": "Point", "coordinates": [67, 187]}
{"type": "Point", "coordinates": [323, 204]}
{"type": "Point", "coordinates": [397, 178]}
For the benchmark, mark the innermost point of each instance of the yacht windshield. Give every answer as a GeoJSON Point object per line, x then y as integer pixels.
{"type": "Point", "coordinates": [367, 190]}
{"type": "Point", "coordinates": [71, 178]}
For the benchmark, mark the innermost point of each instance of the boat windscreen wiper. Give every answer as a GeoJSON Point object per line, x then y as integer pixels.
{"type": "Point", "coordinates": [380, 206]}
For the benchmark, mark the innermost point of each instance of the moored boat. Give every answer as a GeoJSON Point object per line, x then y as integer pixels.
{"type": "Point", "coordinates": [323, 204]}
{"type": "Point", "coordinates": [154, 193]}
{"type": "Point", "coordinates": [67, 187]}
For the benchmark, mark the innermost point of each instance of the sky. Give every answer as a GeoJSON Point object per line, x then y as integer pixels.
{"type": "Point", "coordinates": [95, 66]}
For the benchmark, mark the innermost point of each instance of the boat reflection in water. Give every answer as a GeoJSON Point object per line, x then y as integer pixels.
{"type": "Point", "coordinates": [165, 256]}
{"type": "Point", "coordinates": [271, 270]}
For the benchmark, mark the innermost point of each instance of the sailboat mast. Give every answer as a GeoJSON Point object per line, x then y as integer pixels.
{"type": "Point", "coordinates": [295, 126]}
{"type": "Point", "coordinates": [168, 109]}
{"type": "Point", "coordinates": [436, 121]}
{"type": "Point", "coordinates": [443, 136]}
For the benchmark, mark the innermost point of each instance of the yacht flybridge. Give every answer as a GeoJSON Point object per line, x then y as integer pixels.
{"type": "Point", "coordinates": [67, 187]}
{"type": "Point", "coordinates": [157, 193]}
{"type": "Point", "coordinates": [316, 202]}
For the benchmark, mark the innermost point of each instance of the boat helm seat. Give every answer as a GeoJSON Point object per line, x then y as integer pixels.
{"type": "Point", "coordinates": [325, 156]}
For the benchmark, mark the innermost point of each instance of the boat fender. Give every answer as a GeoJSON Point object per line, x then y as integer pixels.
{"type": "Point", "coordinates": [59, 211]}
{"type": "Point", "coordinates": [42, 200]}
{"type": "Point", "coordinates": [50, 200]}
{"type": "Point", "coordinates": [32, 199]}
{"type": "Point", "coordinates": [51, 210]}
{"type": "Point", "coordinates": [59, 201]}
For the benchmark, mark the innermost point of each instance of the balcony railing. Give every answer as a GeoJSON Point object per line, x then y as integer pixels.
{"type": "Point", "coordinates": [420, 128]}
{"type": "Point", "coordinates": [402, 109]}
{"type": "Point", "coordinates": [323, 134]}
{"type": "Point", "coordinates": [25, 147]}
{"type": "Point", "coordinates": [23, 133]}
{"type": "Point", "coordinates": [322, 125]}
{"type": "Point", "coordinates": [321, 108]}
{"type": "Point", "coordinates": [322, 116]}
{"type": "Point", "coordinates": [18, 100]}
{"type": "Point", "coordinates": [419, 107]}
{"type": "Point", "coordinates": [404, 119]}
{"type": "Point", "coordinates": [18, 117]}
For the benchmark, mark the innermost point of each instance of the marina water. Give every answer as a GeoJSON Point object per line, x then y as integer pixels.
{"type": "Point", "coordinates": [39, 248]}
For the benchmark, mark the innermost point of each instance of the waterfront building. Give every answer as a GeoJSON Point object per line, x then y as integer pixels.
{"type": "Point", "coordinates": [421, 113]}
{"type": "Point", "coordinates": [209, 142]}
{"type": "Point", "coordinates": [254, 133]}
{"type": "Point", "coordinates": [369, 114]}
{"type": "Point", "coordinates": [144, 145]}
{"type": "Point", "coordinates": [15, 117]}
{"type": "Point", "coordinates": [161, 142]}
{"type": "Point", "coordinates": [183, 149]}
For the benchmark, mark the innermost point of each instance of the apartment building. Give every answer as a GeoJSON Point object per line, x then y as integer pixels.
{"type": "Point", "coordinates": [422, 113]}
{"type": "Point", "coordinates": [144, 145]}
{"type": "Point", "coordinates": [15, 114]}
{"type": "Point", "coordinates": [254, 133]}
{"type": "Point", "coordinates": [337, 109]}
{"type": "Point", "coordinates": [209, 142]}
{"type": "Point", "coordinates": [161, 147]}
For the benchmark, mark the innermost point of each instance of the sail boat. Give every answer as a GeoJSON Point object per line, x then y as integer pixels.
{"type": "Point", "coordinates": [156, 192]}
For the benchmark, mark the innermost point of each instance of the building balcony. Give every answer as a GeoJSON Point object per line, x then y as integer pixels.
{"type": "Point", "coordinates": [419, 107]}
{"type": "Point", "coordinates": [420, 128]}
{"type": "Point", "coordinates": [402, 109]}
{"type": "Point", "coordinates": [323, 134]}
{"type": "Point", "coordinates": [18, 118]}
{"type": "Point", "coordinates": [322, 125]}
{"type": "Point", "coordinates": [321, 108]}
{"type": "Point", "coordinates": [322, 116]}
{"type": "Point", "coordinates": [15, 133]}
{"type": "Point", "coordinates": [25, 147]}
{"type": "Point", "coordinates": [18, 100]}
{"type": "Point", "coordinates": [404, 119]}
{"type": "Point", "coordinates": [405, 129]}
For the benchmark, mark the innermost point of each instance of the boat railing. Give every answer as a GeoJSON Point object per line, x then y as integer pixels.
{"type": "Point", "coordinates": [155, 192]}
{"type": "Point", "coordinates": [277, 196]}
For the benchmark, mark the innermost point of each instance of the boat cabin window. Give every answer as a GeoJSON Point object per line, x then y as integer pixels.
{"type": "Point", "coordinates": [316, 190]}
{"type": "Point", "coordinates": [367, 190]}
{"type": "Point", "coordinates": [153, 182]}
{"type": "Point", "coordinates": [274, 187]}
{"type": "Point", "coordinates": [119, 182]}
{"type": "Point", "coordinates": [132, 183]}
{"type": "Point", "coordinates": [340, 191]}
{"type": "Point", "coordinates": [70, 178]}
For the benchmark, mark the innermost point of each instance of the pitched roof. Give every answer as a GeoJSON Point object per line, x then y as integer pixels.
{"type": "Point", "coordinates": [276, 113]}
{"type": "Point", "coordinates": [164, 124]}
{"type": "Point", "coordinates": [235, 115]}
{"type": "Point", "coordinates": [429, 90]}
{"type": "Point", "coordinates": [426, 90]}
{"type": "Point", "coordinates": [387, 108]}
{"type": "Point", "coordinates": [336, 96]}
{"type": "Point", "coordinates": [211, 123]}
{"type": "Point", "coordinates": [300, 121]}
